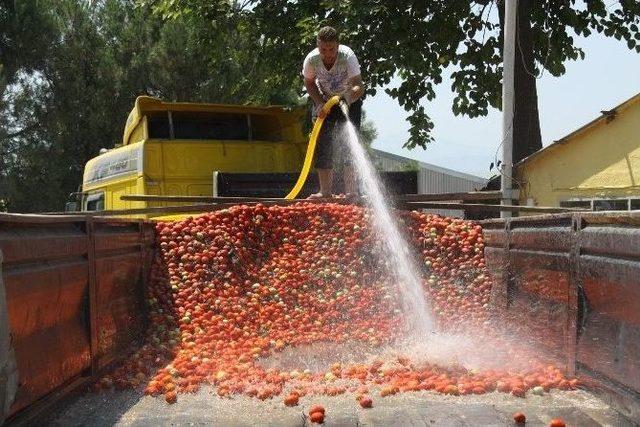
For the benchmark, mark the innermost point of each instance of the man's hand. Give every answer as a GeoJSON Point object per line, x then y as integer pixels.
{"type": "Point", "coordinates": [352, 95]}
{"type": "Point", "coordinates": [320, 112]}
{"type": "Point", "coordinates": [355, 91]}
{"type": "Point", "coordinates": [314, 93]}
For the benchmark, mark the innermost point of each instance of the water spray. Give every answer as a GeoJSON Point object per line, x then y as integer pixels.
{"type": "Point", "coordinates": [418, 318]}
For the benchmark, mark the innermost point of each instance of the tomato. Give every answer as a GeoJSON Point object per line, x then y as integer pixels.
{"type": "Point", "coordinates": [317, 417]}
{"type": "Point", "coordinates": [316, 408]}
{"type": "Point", "coordinates": [171, 397]}
{"type": "Point", "coordinates": [366, 402]}
{"type": "Point", "coordinates": [228, 289]}
{"type": "Point", "coordinates": [291, 400]}
{"type": "Point", "coordinates": [519, 418]}
{"type": "Point", "coordinates": [518, 392]}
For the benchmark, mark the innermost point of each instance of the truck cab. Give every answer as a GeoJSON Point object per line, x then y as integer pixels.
{"type": "Point", "coordinates": [175, 148]}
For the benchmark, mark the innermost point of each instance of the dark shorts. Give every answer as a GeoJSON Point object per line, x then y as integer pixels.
{"type": "Point", "coordinates": [330, 141]}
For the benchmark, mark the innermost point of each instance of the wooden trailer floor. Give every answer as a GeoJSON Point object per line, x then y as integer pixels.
{"type": "Point", "coordinates": [576, 408]}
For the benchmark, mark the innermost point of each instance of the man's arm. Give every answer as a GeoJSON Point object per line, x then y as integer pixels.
{"type": "Point", "coordinates": [314, 93]}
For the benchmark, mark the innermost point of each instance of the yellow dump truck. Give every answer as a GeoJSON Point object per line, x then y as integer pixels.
{"type": "Point", "coordinates": [177, 148]}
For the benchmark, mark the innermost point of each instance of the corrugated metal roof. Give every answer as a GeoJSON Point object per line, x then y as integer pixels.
{"type": "Point", "coordinates": [429, 166]}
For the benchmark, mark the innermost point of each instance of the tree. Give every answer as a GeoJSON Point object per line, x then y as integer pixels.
{"type": "Point", "coordinates": [71, 89]}
{"type": "Point", "coordinates": [65, 105]}
{"type": "Point", "coordinates": [416, 40]}
{"type": "Point", "coordinates": [368, 131]}
{"type": "Point", "coordinates": [21, 48]}
{"type": "Point", "coordinates": [21, 52]}
{"type": "Point", "coordinates": [411, 165]}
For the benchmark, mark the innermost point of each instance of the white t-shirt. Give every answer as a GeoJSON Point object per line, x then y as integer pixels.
{"type": "Point", "coordinates": [334, 81]}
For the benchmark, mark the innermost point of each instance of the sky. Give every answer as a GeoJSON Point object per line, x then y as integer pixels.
{"type": "Point", "coordinates": [609, 75]}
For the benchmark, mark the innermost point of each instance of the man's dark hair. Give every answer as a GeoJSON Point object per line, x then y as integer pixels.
{"type": "Point", "coordinates": [327, 34]}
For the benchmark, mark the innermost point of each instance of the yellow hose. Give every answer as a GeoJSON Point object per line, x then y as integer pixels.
{"type": "Point", "coordinates": [311, 148]}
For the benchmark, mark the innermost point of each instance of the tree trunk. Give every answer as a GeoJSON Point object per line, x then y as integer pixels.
{"type": "Point", "coordinates": [526, 121]}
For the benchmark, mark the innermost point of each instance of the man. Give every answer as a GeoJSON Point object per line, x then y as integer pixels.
{"type": "Point", "coordinates": [333, 69]}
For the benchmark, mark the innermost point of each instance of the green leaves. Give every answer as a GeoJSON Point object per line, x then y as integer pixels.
{"type": "Point", "coordinates": [75, 70]}
{"type": "Point", "coordinates": [26, 30]}
{"type": "Point", "coordinates": [72, 97]}
{"type": "Point", "coordinates": [416, 40]}
{"type": "Point", "coordinates": [420, 131]}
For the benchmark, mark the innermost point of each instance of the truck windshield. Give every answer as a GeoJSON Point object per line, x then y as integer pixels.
{"type": "Point", "coordinates": [94, 202]}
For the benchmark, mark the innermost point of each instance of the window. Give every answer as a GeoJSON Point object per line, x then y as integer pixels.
{"type": "Point", "coordinates": [158, 125]}
{"type": "Point", "coordinates": [265, 128]}
{"type": "Point", "coordinates": [585, 204]}
{"type": "Point", "coordinates": [210, 126]}
{"type": "Point", "coordinates": [602, 204]}
{"type": "Point", "coordinates": [610, 205]}
{"type": "Point", "coordinates": [216, 126]}
{"type": "Point", "coordinates": [95, 202]}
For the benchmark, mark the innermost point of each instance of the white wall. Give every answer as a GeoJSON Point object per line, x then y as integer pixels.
{"type": "Point", "coordinates": [434, 180]}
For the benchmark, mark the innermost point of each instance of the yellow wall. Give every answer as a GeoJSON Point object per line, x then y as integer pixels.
{"type": "Point", "coordinates": [113, 189]}
{"type": "Point", "coordinates": [128, 187]}
{"type": "Point", "coordinates": [138, 133]}
{"type": "Point", "coordinates": [601, 161]}
{"type": "Point", "coordinates": [185, 167]}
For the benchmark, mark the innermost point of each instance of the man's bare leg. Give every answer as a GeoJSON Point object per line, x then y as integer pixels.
{"type": "Point", "coordinates": [350, 184]}
{"type": "Point", "coordinates": [325, 176]}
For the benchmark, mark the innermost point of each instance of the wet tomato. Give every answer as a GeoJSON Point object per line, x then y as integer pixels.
{"type": "Point", "coordinates": [230, 289]}
{"type": "Point", "coordinates": [366, 402]}
{"type": "Point", "coordinates": [519, 417]}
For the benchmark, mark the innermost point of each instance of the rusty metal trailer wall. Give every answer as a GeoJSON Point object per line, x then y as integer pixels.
{"type": "Point", "coordinates": [74, 297]}
{"type": "Point", "coordinates": [8, 370]}
{"type": "Point", "coordinates": [571, 282]}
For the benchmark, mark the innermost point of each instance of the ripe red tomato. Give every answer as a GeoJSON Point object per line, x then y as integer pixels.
{"type": "Point", "coordinates": [317, 417]}
{"type": "Point", "coordinates": [519, 417]}
{"type": "Point", "coordinates": [366, 402]}
{"type": "Point", "coordinates": [291, 400]}
{"type": "Point", "coordinates": [171, 397]}
{"type": "Point", "coordinates": [230, 288]}
{"type": "Point", "coordinates": [316, 408]}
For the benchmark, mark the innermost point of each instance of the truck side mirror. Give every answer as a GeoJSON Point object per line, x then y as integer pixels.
{"type": "Point", "coordinates": [71, 207]}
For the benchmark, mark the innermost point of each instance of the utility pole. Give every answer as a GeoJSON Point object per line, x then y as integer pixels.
{"type": "Point", "coordinates": [508, 61]}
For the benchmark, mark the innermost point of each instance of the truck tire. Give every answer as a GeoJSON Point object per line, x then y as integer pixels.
{"type": "Point", "coordinates": [8, 368]}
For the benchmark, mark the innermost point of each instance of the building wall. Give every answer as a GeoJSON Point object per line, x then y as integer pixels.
{"type": "Point", "coordinates": [437, 182]}
{"type": "Point", "coordinates": [433, 180]}
{"type": "Point", "coordinates": [601, 161]}
{"type": "Point", "coordinates": [387, 164]}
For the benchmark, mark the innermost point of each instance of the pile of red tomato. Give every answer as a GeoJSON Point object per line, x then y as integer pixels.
{"type": "Point", "coordinates": [231, 288]}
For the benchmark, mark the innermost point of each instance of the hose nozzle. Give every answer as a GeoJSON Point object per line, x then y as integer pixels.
{"type": "Point", "coordinates": [344, 106]}
{"type": "Point", "coordinates": [340, 101]}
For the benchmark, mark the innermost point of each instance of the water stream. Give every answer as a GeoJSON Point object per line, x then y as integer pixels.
{"type": "Point", "coordinates": [396, 250]}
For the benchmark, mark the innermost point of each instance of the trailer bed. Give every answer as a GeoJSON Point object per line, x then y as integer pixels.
{"type": "Point", "coordinates": [98, 266]}
{"type": "Point", "coordinates": [576, 408]}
